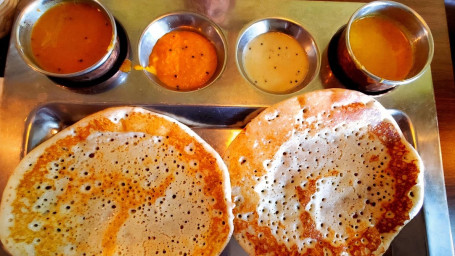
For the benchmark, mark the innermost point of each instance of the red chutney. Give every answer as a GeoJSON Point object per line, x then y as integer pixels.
{"type": "Point", "coordinates": [70, 37]}
{"type": "Point", "coordinates": [183, 60]}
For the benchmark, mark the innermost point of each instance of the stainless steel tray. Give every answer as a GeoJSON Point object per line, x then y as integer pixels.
{"type": "Point", "coordinates": [33, 107]}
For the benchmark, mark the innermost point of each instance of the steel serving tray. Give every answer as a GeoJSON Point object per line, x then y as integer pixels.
{"type": "Point", "coordinates": [34, 107]}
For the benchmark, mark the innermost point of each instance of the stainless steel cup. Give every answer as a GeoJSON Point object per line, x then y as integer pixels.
{"type": "Point", "coordinates": [23, 30]}
{"type": "Point", "coordinates": [414, 27]}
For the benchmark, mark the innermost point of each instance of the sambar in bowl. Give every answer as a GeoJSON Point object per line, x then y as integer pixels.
{"type": "Point", "coordinates": [74, 40]}
{"type": "Point", "coordinates": [385, 44]}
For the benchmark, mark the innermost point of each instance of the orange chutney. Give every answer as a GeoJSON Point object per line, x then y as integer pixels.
{"type": "Point", "coordinates": [70, 37]}
{"type": "Point", "coordinates": [381, 47]}
{"type": "Point", "coordinates": [183, 60]}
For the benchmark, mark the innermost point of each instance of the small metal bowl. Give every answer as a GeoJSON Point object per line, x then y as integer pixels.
{"type": "Point", "coordinates": [413, 26]}
{"type": "Point", "coordinates": [23, 30]}
{"type": "Point", "coordinates": [290, 28]}
{"type": "Point", "coordinates": [182, 21]}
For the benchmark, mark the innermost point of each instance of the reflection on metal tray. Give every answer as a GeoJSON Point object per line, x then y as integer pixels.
{"type": "Point", "coordinates": [33, 107]}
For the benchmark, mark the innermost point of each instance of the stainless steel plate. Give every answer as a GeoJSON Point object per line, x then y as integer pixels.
{"type": "Point", "coordinates": [33, 106]}
{"type": "Point", "coordinates": [218, 126]}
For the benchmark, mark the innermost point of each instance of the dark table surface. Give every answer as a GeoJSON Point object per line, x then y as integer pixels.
{"type": "Point", "coordinates": [443, 82]}
{"type": "Point", "coordinates": [4, 41]}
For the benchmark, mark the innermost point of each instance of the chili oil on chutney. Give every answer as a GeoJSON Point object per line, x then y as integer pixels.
{"type": "Point", "coordinates": [275, 62]}
{"type": "Point", "coordinates": [183, 60]}
{"type": "Point", "coordinates": [71, 37]}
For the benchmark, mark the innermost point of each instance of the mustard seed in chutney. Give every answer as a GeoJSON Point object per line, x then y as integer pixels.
{"type": "Point", "coordinates": [275, 62]}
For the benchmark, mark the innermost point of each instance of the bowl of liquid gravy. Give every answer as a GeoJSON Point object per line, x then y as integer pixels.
{"type": "Point", "coordinates": [384, 44]}
{"type": "Point", "coordinates": [277, 55]}
{"type": "Point", "coordinates": [74, 40]}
